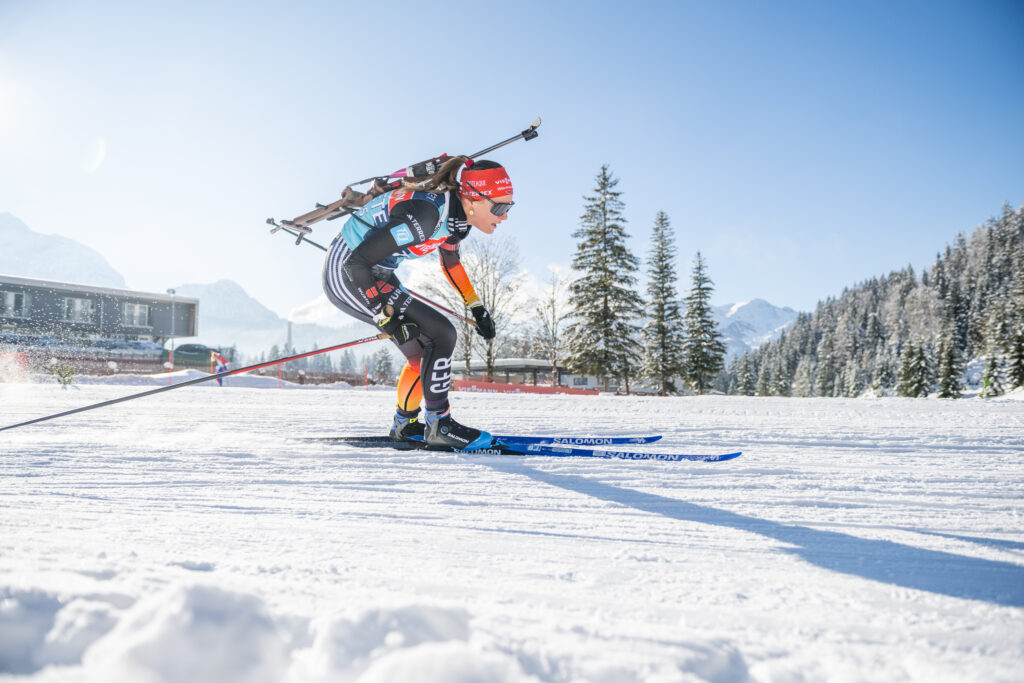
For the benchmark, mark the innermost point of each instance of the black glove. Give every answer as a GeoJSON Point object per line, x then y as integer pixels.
{"type": "Point", "coordinates": [395, 325]}
{"type": "Point", "coordinates": [484, 322]}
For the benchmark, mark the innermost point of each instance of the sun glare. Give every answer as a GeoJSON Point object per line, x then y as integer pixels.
{"type": "Point", "coordinates": [96, 155]}
{"type": "Point", "coordinates": [15, 109]}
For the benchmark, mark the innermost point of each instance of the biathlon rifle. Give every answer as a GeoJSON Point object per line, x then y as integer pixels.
{"type": "Point", "coordinates": [410, 177]}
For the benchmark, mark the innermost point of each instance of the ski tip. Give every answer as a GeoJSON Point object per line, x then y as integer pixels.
{"type": "Point", "coordinates": [725, 456]}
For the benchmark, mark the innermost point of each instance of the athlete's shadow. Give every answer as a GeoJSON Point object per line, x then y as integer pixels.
{"type": "Point", "coordinates": [939, 572]}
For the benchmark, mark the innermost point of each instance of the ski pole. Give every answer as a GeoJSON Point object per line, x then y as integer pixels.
{"type": "Point", "coordinates": [196, 381]}
{"type": "Point", "coordinates": [441, 308]}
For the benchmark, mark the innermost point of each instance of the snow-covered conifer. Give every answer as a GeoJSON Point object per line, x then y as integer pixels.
{"type": "Point", "coordinates": [950, 370]}
{"type": "Point", "coordinates": [746, 378]}
{"type": "Point", "coordinates": [662, 359]}
{"type": "Point", "coordinates": [601, 338]}
{"type": "Point", "coordinates": [883, 376]}
{"type": "Point", "coordinates": [914, 373]}
{"type": "Point", "coordinates": [764, 380]}
{"type": "Point", "coordinates": [1015, 359]}
{"type": "Point", "coordinates": [992, 379]}
{"type": "Point", "coordinates": [852, 386]}
{"type": "Point", "coordinates": [383, 365]}
{"type": "Point", "coordinates": [803, 378]}
{"type": "Point", "coordinates": [704, 349]}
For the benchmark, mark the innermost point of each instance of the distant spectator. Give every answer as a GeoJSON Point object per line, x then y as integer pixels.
{"type": "Point", "coordinates": [221, 363]}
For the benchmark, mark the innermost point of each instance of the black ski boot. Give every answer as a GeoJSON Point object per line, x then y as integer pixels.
{"type": "Point", "coordinates": [444, 432]}
{"type": "Point", "coordinates": [406, 427]}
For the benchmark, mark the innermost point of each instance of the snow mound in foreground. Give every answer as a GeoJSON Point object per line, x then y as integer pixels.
{"type": "Point", "coordinates": [205, 634]}
{"type": "Point", "coordinates": [413, 643]}
{"type": "Point", "coordinates": [453, 662]}
{"type": "Point", "coordinates": [38, 629]}
{"type": "Point", "coordinates": [199, 634]}
{"type": "Point", "coordinates": [25, 619]}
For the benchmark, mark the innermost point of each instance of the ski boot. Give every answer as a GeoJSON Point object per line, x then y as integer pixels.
{"type": "Point", "coordinates": [406, 427]}
{"type": "Point", "coordinates": [445, 433]}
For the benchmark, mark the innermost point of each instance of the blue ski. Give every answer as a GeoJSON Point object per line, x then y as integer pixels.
{"type": "Point", "coordinates": [568, 452]}
{"type": "Point", "coordinates": [552, 440]}
{"type": "Point", "coordinates": [578, 440]}
{"type": "Point", "coordinates": [505, 445]}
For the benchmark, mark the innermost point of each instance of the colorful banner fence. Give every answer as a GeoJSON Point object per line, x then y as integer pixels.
{"type": "Point", "coordinates": [503, 388]}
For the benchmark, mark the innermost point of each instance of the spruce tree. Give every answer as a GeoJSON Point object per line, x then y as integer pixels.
{"type": "Point", "coordinates": [851, 379]}
{"type": "Point", "coordinates": [746, 376]}
{"type": "Point", "coordinates": [764, 379]}
{"type": "Point", "coordinates": [1015, 361]}
{"type": "Point", "coordinates": [803, 378]}
{"type": "Point", "coordinates": [601, 337]}
{"type": "Point", "coordinates": [912, 378]}
{"type": "Point", "coordinates": [825, 377]}
{"type": "Point", "coordinates": [882, 378]}
{"type": "Point", "coordinates": [992, 379]}
{"type": "Point", "coordinates": [950, 374]}
{"type": "Point", "coordinates": [781, 381]}
{"type": "Point", "coordinates": [663, 334]}
{"type": "Point", "coordinates": [383, 365]}
{"type": "Point", "coordinates": [704, 350]}
{"type": "Point", "coordinates": [347, 363]}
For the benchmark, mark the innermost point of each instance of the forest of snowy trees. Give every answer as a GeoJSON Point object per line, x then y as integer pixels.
{"type": "Point", "coordinates": [906, 333]}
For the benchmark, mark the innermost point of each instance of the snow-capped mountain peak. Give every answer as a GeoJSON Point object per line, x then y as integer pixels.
{"type": "Point", "coordinates": [320, 311]}
{"type": "Point", "coordinates": [747, 325]}
{"type": "Point", "coordinates": [51, 257]}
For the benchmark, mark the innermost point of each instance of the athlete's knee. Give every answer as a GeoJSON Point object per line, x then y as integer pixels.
{"type": "Point", "coordinates": [445, 336]}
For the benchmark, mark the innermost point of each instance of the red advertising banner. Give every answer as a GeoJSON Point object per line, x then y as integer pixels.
{"type": "Point", "coordinates": [502, 388]}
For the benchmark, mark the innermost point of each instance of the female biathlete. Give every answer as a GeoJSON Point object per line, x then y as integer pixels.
{"type": "Point", "coordinates": [359, 279]}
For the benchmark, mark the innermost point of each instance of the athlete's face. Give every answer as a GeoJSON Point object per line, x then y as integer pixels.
{"type": "Point", "coordinates": [479, 215]}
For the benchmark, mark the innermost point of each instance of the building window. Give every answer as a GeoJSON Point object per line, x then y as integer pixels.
{"type": "Point", "coordinates": [137, 315]}
{"type": "Point", "coordinates": [78, 310]}
{"type": "Point", "coordinates": [14, 304]}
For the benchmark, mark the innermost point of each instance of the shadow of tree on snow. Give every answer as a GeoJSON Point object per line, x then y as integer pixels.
{"type": "Point", "coordinates": [939, 572]}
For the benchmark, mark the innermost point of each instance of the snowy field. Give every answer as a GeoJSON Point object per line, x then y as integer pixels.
{"type": "Point", "coordinates": [194, 537]}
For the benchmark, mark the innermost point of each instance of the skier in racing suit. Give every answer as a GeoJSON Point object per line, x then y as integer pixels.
{"type": "Point", "coordinates": [359, 278]}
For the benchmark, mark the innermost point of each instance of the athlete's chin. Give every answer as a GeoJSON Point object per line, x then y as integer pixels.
{"type": "Point", "coordinates": [489, 229]}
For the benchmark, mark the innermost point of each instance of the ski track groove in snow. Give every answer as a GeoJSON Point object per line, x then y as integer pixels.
{"type": "Point", "coordinates": [873, 539]}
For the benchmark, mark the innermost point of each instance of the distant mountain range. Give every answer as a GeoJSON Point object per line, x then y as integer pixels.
{"type": "Point", "coordinates": [229, 316]}
{"type": "Point", "coordinates": [748, 325]}
{"type": "Point", "coordinates": [51, 257]}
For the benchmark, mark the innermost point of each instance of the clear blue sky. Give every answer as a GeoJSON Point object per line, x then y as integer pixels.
{"type": "Point", "coordinates": [801, 146]}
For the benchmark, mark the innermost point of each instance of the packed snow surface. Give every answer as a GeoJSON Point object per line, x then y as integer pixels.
{"type": "Point", "coordinates": [194, 536]}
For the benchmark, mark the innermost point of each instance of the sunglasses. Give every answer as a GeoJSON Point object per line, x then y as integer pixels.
{"type": "Point", "coordinates": [497, 208]}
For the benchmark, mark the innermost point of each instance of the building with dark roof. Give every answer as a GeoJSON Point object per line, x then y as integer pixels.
{"type": "Point", "coordinates": [71, 311]}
